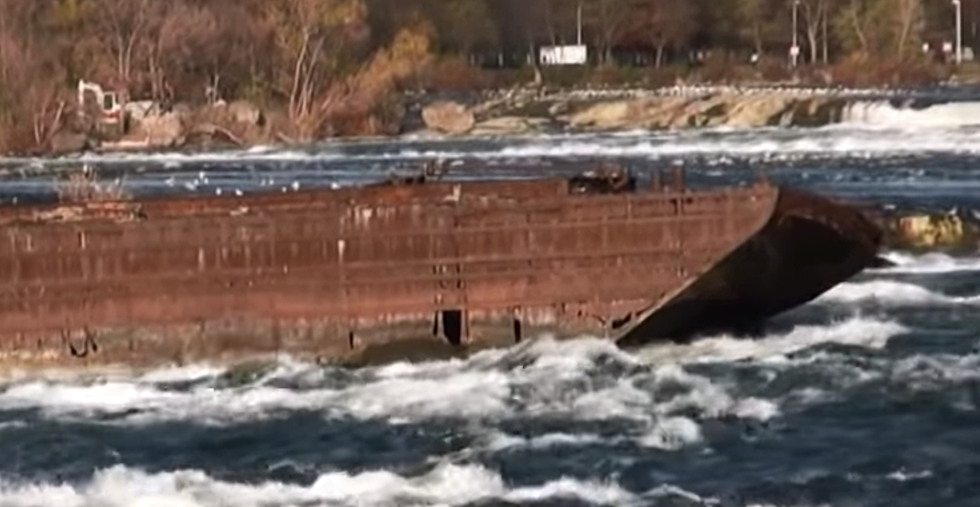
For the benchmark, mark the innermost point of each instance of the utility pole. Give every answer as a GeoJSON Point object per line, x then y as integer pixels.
{"type": "Point", "coordinates": [794, 52]}
{"type": "Point", "coordinates": [959, 31]}
{"type": "Point", "coordinates": [579, 22]}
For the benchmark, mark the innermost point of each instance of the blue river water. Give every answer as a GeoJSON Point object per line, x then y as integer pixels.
{"type": "Point", "coordinates": [867, 396]}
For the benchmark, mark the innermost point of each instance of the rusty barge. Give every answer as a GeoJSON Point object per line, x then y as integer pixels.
{"type": "Point", "coordinates": [401, 267]}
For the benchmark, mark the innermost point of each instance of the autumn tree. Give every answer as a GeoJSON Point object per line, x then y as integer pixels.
{"type": "Point", "coordinates": [314, 38]}
{"type": "Point", "coordinates": [762, 24]}
{"type": "Point", "coordinates": [336, 66]}
{"type": "Point", "coordinates": [195, 46]}
{"type": "Point", "coordinates": [32, 94]}
{"type": "Point", "coordinates": [387, 17]}
{"type": "Point", "coordinates": [74, 45]}
{"type": "Point", "coordinates": [880, 28]}
{"type": "Point", "coordinates": [359, 96]}
{"type": "Point", "coordinates": [908, 24]}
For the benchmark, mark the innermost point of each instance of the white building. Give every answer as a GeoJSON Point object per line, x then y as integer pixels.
{"type": "Point", "coordinates": [564, 55]}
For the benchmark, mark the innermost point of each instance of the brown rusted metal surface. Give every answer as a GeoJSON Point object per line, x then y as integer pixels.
{"type": "Point", "coordinates": [326, 273]}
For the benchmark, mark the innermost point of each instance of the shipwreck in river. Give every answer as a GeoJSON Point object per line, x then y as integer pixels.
{"type": "Point", "coordinates": [408, 264]}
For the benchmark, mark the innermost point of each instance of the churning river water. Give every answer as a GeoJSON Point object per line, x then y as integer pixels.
{"type": "Point", "coordinates": [866, 397]}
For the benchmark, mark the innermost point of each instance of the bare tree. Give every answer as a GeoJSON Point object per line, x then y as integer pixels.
{"type": "Point", "coordinates": [31, 96]}
{"type": "Point", "coordinates": [312, 36]}
{"type": "Point", "coordinates": [607, 20]}
{"type": "Point", "coordinates": [909, 17]}
{"type": "Point", "coordinates": [120, 26]}
{"type": "Point", "coordinates": [851, 27]}
{"type": "Point", "coordinates": [815, 14]}
{"type": "Point", "coordinates": [666, 24]}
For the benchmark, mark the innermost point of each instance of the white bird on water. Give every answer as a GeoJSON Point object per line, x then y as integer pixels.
{"type": "Point", "coordinates": [295, 186]}
{"type": "Point", "coordinates": [217, 191]}
{"type": "Point", "coordinates": [202, 179]}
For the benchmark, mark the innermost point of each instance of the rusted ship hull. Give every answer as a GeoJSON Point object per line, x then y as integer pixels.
{"type": "Point", "coordinates": [807, 246]}
{"type": "Point", "coordinates": [397, 270]}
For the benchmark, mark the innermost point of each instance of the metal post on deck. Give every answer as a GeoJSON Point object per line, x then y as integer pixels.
{"type": "Point", "coordinates": [678, 185]}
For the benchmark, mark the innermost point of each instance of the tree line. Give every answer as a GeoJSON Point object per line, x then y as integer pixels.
{"type": "Point", "coordinates": [328, 64]}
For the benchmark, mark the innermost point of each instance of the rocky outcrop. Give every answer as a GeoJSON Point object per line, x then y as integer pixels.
{"type": "Point", "coordinates": [522, 111]}
{"type": "Point", "coordinates": [950, 232]}
{"type": "Point", "coordinates": [245, 113]}
{"type": "Point", "coordinates": [219, 125]}
{"type": "Point", "coordinates": [935, 232]}
{"type": "Point", "coordinates": [448, 118]}
{"type": "Point", "coordinates": [68, 142]}
{"type": "Point", "coordinates": [163, 130]}
{"type": "Point", "coordinates": [712, 111]}
{"type": "Point", "coordinates": [509, 125]}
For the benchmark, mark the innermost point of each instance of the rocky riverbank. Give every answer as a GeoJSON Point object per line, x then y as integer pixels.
{"type": "Point", "coordinates": [514, 111]}
{"type": "Point", "coordinates": [519, 115]}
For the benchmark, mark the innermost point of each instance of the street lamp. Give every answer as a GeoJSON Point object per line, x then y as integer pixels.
{"type": "Point", "coordinates": [959, 31]}
{"type": "Point", "coordinates": [794, 52]}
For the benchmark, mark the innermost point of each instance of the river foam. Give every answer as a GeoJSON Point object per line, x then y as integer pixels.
{"type": "Point", "coordinates": [889, 113]}
{"type": "Point", "coordinates": [447, 485]}
{"type": "Point", "coordinates": [890, 292]}
{"type": "Point", "coordinates": [577, 423]}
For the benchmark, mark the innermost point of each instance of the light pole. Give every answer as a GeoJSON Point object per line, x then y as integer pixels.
{"type": "Point", "coordinates": [794, 52]}
{"type": "Point", "coordinates": [959, 31]}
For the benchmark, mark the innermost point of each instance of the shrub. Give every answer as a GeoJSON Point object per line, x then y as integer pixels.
{"type": "Point", "coordinates": [454, 74]}
{"type": "Point", "coordinates": [83, 186]}
{"type": "Point", "coordinates": [861, 70]}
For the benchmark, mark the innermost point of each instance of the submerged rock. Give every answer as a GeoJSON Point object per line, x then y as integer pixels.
{"type": "Point", "coordinates": [246, 373]}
